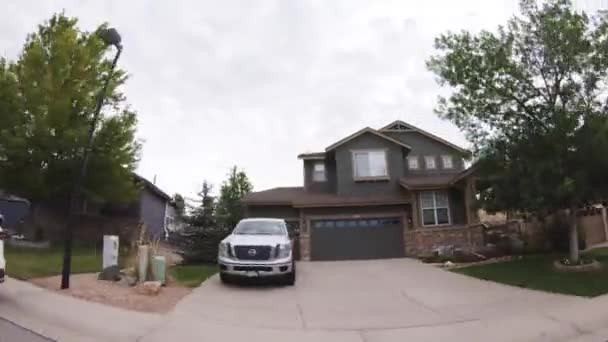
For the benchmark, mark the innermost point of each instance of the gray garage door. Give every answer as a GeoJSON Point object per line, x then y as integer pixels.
{"type": "Point", "coordinates": [368, 238]}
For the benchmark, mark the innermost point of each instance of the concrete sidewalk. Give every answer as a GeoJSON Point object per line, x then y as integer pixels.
{"type": "Point", "coordinates": [64, 318]}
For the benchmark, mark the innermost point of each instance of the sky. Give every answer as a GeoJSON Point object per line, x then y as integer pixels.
{"type": "Point", "coordinates": [255, 83]}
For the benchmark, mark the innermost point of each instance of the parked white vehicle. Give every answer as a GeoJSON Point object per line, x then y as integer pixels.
{"type": "Point", "coordinates": [258, 247]}
{"type": "Point", "coordinates": [3, 236]}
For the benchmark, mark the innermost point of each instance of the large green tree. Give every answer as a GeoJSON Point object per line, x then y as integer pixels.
{"type": "Point", "coordinates": [229, 207]}
{"type": "Point", "coordinates": [531, 99]}
{"type": "Point", "coordinates": [47, 100]}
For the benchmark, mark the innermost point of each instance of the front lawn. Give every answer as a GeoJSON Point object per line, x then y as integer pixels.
{"type": "Point", "coordinates": [536, 272]}
{"type": "Point", "coordinates": [26, 263]}
{"type": "Point", "coordinates": [192, 275]}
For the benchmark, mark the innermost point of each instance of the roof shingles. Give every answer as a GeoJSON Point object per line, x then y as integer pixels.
{"type": "Point", "coordinates": [299, 198]}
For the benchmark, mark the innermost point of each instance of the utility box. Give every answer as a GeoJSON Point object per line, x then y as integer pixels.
{"type": "Point", "coordinates": [143, 253]}
{"type": "Point", "coordinates": [110, 251]}
{"type": "Point", "coordinates": [159, 268]}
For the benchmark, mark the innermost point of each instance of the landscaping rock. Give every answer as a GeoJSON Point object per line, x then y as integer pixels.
{"type": "Point", "coordinates": [592, 266]}
{"type": "Point", "coordinates": [111, 273]}
{"type": "Point", "coordinates": [149, 288]}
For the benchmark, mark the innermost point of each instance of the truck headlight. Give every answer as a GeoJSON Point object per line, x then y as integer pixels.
{"type": "Point", "coordinates": [223, 250]}
{"type": "Point", "coordinates": [284, 251]}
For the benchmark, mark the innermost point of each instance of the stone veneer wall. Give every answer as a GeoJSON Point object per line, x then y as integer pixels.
{"type": "Point", "coordinates": [305, 246]}
{"type": "Point", "coordinates": [425, 240]}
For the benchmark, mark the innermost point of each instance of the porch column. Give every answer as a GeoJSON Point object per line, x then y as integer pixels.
{"type": "Point", "coordinates": [415, 211]}
{"type": "Point", "coordinates": [469, 199]}
{"type": "Point", "coordinates": [304, 237]}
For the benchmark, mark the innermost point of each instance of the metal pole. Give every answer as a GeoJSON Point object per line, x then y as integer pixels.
{"type": "Point", "coordinates": [75, 194]}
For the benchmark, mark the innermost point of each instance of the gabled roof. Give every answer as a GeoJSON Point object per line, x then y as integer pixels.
{"type": "Point", "coordinates": [300, 198]}
{"type": "Point", "coordinates": [312, 156]}
{"type": "Point", "coordinates": [363, 131]}
{"type": "Point", "coordinates": [274, 196]}
{"type": "Point", "coordinates": [435, 181]}
{"type": "Point", "coordinates": [152, 187]}
{"type": "Point", "coordinates": [427, 182]}
{"type": "Point", "coordinates": [400, 126]}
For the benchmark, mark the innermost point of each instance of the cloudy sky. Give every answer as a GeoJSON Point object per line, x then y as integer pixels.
{"type": "Point", "coordinates": [254, 83]}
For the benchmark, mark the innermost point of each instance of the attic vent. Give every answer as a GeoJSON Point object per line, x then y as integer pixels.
{"type": "Point", "coordinates": [398, 126]}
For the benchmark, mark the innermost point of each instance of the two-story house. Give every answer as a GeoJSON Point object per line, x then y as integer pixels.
{"type": "Point", "coordinates": [392, 192]}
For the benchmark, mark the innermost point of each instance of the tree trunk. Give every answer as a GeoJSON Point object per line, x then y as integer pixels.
{"type": "Point", "coordinates": [574, 253]}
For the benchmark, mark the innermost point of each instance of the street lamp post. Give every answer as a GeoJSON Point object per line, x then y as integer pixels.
{"type": "Point", "coordinates": [110, 37]}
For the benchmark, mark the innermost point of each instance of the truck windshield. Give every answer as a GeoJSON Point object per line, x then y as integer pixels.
{"type": "Point", "coordinates": [260, 228]}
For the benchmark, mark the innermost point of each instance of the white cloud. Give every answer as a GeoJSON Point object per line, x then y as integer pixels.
{"type": "Point", "coordinates": [256, 83]}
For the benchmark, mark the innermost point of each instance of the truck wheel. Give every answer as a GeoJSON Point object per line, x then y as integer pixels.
{"type": "Point", "coordinates": [225, 278]}
{"type": "Point", "coordinates": [290, 278]}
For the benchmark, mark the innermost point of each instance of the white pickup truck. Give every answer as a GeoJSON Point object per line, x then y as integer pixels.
{"type": "Point", "coordinates": [258, 247]}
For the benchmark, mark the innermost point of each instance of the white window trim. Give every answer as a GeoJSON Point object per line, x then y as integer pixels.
{"type": "Point", "coordinates": [314, 171]}
{"type": "Point", "coordinates": [447, 157]}
{"type": "Point", "coordinates": [364, 178]}
{"type": "Point", "coordinates": [426, 164]}
{"type": "Point", "coordinates": [434, 208]}
{"type": "Point", "coordinates": [417, 159]}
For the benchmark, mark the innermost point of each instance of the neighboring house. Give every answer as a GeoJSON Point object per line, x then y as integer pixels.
{"type": "Point", "coordinates": [13, 209]}
{"type": "Point", "coordinates": [155, 209]}
{"type": "Point", "coordinates": [383, 193]}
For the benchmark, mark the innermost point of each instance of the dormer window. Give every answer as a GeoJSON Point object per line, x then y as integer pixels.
{"type": "Point", "coordinates": [369, 165]}
{"type": "Point", "coordinates": [447, 162]}
{"type": "Point", "coordinates": [412, 163]}
{"type": "Point", "coordinates": [318, 174]}
{"type": "Point", "coordinates": [429, 162]}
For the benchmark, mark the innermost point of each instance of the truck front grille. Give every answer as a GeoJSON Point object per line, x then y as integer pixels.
{"type": "Point", "coordinates": [252, 252]}
{"type": "Point", "coordinates": [253, 268]}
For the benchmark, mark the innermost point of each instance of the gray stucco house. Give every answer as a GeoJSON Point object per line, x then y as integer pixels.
{"type": "Point", "coordinates": [155, 209]}
{"type": "Point", "coordinates": [378, 193]}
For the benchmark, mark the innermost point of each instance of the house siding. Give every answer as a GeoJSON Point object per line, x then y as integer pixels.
{"type": "Point", "coordinates": [458, 210]}
{"type": "Point", "coordinates": [152, 212]}
{"type": "Point", "coordinates": [425, 146]}
{"type": "Point", "coordinates": [346, 184]}
{"type": "Point", "coordinates": [330, 174]}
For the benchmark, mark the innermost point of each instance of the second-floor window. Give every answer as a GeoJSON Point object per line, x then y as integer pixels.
{"type": "Point", "coordinates": [318, 172]}
{"type": "Point", "coordinates": [369, 164]}
{"type": "Point", "coordinates": [429, 162]}
{"type": "Point", "coordinates": [412, 163]}
{"type": "Point", "coordinates": [446, 161]}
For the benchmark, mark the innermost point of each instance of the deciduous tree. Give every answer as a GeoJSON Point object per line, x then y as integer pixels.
{"type": "Point", "coordinates": [531, 98]}
{"type": "Point", "coordinates": [229, 208]}
{"type": "Point", "coordinates": [47, 100]}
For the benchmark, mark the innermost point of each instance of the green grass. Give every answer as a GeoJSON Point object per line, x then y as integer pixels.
{"type": "Point", "coordinates": [536, 272]}
{"type": "Point", "coordinates": [26, 263]}
{"type": "Point", "coordinates": [192, 275]}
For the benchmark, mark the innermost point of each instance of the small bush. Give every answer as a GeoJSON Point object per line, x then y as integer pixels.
{"type": "Point", "coordinates": [198, 245]}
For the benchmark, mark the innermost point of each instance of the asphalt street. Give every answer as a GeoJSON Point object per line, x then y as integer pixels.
{"type": "Point", "coordinates": [11, 332]}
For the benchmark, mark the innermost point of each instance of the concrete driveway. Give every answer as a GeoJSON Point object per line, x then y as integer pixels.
{"type": "Point", "coordinates": [358, 301]}
{"type": "Point", "coordinates": [367, 301]}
